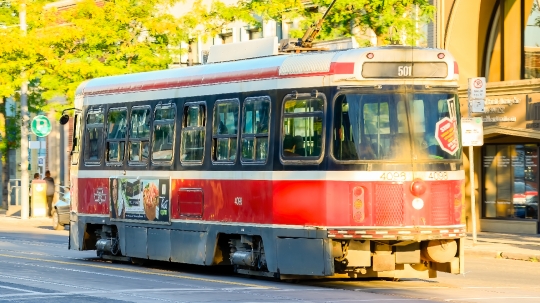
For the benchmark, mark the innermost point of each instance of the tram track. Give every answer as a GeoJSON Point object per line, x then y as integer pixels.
{"type": "Point", "coordinates": [171, 282]}
{"type": "Point", "coordinates": [129, 270]}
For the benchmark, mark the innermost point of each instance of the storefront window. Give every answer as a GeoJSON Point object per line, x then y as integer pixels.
{"type": "Point", "coordinates": [510, 181]}
{"type": "Point", "coordinates": [532, 43]}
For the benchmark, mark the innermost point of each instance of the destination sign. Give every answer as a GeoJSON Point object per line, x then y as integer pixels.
{"type": "Point", "coordinates": [404, 70]}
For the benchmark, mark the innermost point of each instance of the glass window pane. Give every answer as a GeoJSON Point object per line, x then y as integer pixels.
{"type": "Point", "coordinates": [192, 145]}
{"type": "Point", "coordinates": [376, 118]}
{"type": "Point", "coordinates": [247, 148]}
{"type": "Point", "coordinates": [531, 57]}
{"type": "Point", "coordinates": [226, 118]}
{"type": "Point", "coordinates": [145, 150]}
{"type": "Point", "coordinates": [162, 147]}
{"type": "Point", "coordinates": [117, 124]}
{"type": "Point", "coordinates": [376, 126]}
{"type": "Point", "coordinates": [115, 151]}
{"type": "Point", "coordinates": [222, 150]}
{"type": "Point", "coordinates": [233, 147]}
{"type": "Point", "coordinates": [262, 148]}
{"type": "Point", "coordinates": [428, 111]}
{"type": "Point", "coordinates": [256, 116]}
{"type": "Point", "coordinates": [94, 118]}
{"type": "Point", "coordinates": [135, 151]}
{"type": "Point", "coordinates": [510, 181]}
{"type": "Point", "coordinates": [302, 137]}
{"type": "Point", "coordinates": [418, 116]}
{"type": "Point", "coordinates": [76, 133]}
{"type": "Point", "coordinates": [140, 123]}
{"type": "Point", "coordinates": [402, 117]}
{"type": "Point", "coordinates": [94, 144]}
{"type": "Point", "coordinates": [304, 106]}
{"type": "Point", "coordinates": [138, 151]}
{"type": "Point", "coordinates": [248, 118]}
{"type": "Point", "coordinates": [165, 113]}
{"type": "Point", "coordinates": [192, 116]}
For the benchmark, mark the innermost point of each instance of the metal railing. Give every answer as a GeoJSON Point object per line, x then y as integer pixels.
{"type": "Point", "coordinates": [14, 192]}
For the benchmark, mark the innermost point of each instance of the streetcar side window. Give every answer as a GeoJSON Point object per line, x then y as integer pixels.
{"type": "Point", "coordinates": [116, 135]}
{"type": "Point", "coordinates": [139, 135]}
{"type": "Point", "coordinates": [193, 133]}
{"type": "Point", "coordinates": [163, 135]}
{"type": "Point", "coordinates": [225, 131]}
{"type": "Point", "coordinates": [302, 127]}
{"type": "Point", "coordinates": [256, 123]}
{"type": "Point", "coordinates": [76, 143]}
{"type": "Point", "coordinates": [94, 137]}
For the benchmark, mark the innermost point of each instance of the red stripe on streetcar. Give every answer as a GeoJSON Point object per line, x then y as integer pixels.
{"type": "Point", "coordinates": [216, 78]}
{"type": "Point", "coordinates": [342, 67]}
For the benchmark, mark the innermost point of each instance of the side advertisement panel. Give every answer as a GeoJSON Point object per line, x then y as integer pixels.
{"type": "Point", "coordinates": [140, 199]}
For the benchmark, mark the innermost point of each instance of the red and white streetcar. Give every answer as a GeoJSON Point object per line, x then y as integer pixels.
{"type": "Point", "coordinates": [333, 163]}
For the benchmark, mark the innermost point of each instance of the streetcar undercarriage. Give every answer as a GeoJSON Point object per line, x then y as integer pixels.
{"type": "Point", "coordinates": [344, 258]}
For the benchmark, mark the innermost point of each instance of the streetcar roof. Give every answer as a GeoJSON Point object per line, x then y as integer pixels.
{"type": "Point", "coordinates": [345, 66]}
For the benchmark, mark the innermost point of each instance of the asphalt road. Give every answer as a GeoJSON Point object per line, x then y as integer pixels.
{"type": "Point", "coordinates": [35, 266]}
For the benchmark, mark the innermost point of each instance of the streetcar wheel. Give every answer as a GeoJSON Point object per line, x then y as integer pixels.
{"type": "Point", "coordinates": [56, 221]}
{"type": "Point", "coordinates": [138, 261]}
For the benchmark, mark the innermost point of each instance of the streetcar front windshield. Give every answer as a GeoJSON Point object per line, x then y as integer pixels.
{"type": "Point", "coordinates": [396, 126]}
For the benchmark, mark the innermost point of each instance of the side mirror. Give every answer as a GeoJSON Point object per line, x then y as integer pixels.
{"type": "Point", "coordinates": [64, 119]}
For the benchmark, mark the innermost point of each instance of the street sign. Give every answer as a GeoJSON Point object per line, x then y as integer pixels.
{"type": "Point", "coordinates": [446, 135]}
{"type": "Point", "coordinates": [477, 106]}
{"type": "Point", "coordinates": [477, 94]}
{"type": "Point", "coordinates": [477, 88]}
{"type": "Point", "coordinates": [37, 144]}
{"type": "Point", "coordinates": [41, 126]}
{"type": "Point", "coordinates": [472, 131]}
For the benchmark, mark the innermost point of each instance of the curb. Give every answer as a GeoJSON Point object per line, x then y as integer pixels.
{"type": "Point", "coordinates": [503, 255]}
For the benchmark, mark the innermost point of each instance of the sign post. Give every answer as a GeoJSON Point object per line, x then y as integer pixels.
{"type": "Point", "coordinates": [472, 134]}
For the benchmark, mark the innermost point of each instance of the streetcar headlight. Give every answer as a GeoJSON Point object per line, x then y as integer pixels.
{"type": "Point", "coordinates": [417, 203]}
{"type": "Point", "coordinates": [418, 187]}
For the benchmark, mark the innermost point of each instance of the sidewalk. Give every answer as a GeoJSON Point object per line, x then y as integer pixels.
{"type": "Point", "coordinates": [15, 220]}
{"type": "Point", "coordinates": [491, 245]}
{"type": "Point", "coordinates": [508, 246]}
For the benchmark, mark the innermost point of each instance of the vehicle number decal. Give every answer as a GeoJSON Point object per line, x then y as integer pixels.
{"type": "Point", "coordinates": [438, 175]}
{"type": "Point", "coordinates": [393, 176]}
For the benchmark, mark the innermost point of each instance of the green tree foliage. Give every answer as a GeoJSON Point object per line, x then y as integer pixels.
{"type": "Point", "coordinates": [390, 20]}
{"type": "Point", "coordinates": [90, 39]}
{"type": "Point", "coordinates": [96, 38]}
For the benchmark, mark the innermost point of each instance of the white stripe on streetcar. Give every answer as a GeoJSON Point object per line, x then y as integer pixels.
{"type": "Point", "coordinates": [272, 175]}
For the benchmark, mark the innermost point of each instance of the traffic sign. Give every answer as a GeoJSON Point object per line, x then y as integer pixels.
{"type": "Point", "coordinates": [472, 131]}
{"type": "Point", "coordinates": [477, 88]}
{"type": "Point", "coordinates": [41, 126]}
{"type": "Point", "coordinates": [446, 135]}
{"type": "Point", "coordinates": [477, 94]}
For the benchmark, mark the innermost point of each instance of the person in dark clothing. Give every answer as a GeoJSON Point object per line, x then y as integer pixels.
{"type": "Point", "coordinates": [299, 146]}
{"type": "Point", "coordinates": [50, 191]}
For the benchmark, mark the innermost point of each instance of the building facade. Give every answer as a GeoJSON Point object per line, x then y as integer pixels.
{"type": "Point", "coordinates": [500, 40]}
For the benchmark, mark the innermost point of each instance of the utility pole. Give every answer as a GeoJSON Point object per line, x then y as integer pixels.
{"type": "Point", "coordinates": [25, 209]}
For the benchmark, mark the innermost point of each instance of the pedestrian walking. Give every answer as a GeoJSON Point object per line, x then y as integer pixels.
{"type": "Point", "coordinates": [50, 191]}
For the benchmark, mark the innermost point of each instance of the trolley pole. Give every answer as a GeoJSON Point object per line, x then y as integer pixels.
{"type": "Point", "coordinates": [25, 209]}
